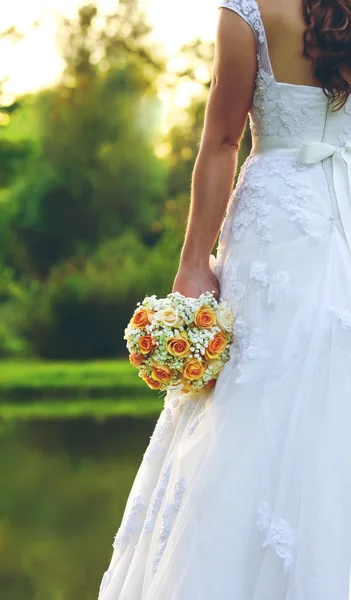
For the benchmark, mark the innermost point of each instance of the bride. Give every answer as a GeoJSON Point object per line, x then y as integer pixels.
{"type": "Point", "coordinates": [245, 493]}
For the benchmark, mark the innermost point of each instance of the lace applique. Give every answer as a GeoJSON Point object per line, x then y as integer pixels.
{"type": "Point", "coordinates": [241, 335]}
{"type": "Point", "coordinates": [278, 534]}
{"type": "Point", "coordinates": [127, 530]}
{"type": "Point", "coordinates": [252, 204]}
{"type": "Point", "coordinates": [297, 212]}
{"type": "Point", "coordinates": [273, 111]}
{"type": "Point", "coordinates": [249, 342]}
{"type": "Point", "coordinates": [236, 289]}
{"type": "Point", "coordinates": [296, 202]}
{"type": "Point", "coordinates": [104, 582]}
{"type": "Point", "coordinates": [251, 201]}
{"type": "Point", "coordinates": [157, 498]}
{"type": "Point", "coordinates": [249, 10]}
{"type": "Point", "coordinates": [343, 315]}
{"type": "Point", "coordinates": [258, 271]}
{"type": "Point", "coordinates": [248, 352]}
{"type": "Point", "coordinates": [278, 285]}
{"type": "Point", "coordinates": [251, 196]}
{"type": "Point", "coordinates": [279, 288]}
{"type": "Point", "coordinates": [163, 429]}
{"type": "Point", "coordinates": [168, 518]}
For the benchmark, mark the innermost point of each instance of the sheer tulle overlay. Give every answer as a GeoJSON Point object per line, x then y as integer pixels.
{"type": "Point", "coordinates": [245, 492]}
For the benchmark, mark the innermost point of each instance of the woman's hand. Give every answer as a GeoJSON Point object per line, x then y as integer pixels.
{"type": "Point", "coordinates": [192, 281]}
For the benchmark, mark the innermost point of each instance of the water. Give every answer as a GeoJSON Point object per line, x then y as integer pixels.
{"type": "Point", "coordinates": [64, 485]}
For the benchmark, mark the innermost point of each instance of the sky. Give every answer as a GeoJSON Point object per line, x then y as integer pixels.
{"type": "Point", "coordinates": [34, 63]}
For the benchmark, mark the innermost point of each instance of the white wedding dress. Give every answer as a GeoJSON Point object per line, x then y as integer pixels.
{"type": "Point", "coordinates": [245, 494]}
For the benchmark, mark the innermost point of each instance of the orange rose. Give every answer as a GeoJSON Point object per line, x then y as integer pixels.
{"type": "Point", "coordinates": [186, 387]}
{"type": "Point", "coordinates": [210, 384]}
{"type": "Point", "coordinates": [140, 318]}
{"type": "Point", "coordinates": [205, 317]}
{"type": "Point", "coordinates": [145, 343]}
{"type": "Point", "coordinates": [150, 315]}
{"type": "Point", "coordinates": [152, 383]}
{"type": "Point", "coordinates": [161, 373]}
{"type": "Point", "coordinates": [136, 359]}
{"type": "Point", "coordinates": [193, 369]}
{"type": "Point", "coordinates": [178, 346]}
{"type": "Point", "coordinates": [216, 346]}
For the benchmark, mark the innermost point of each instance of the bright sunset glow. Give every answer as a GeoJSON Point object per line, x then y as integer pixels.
{"type": "Point", "coordinates": [34, 63]}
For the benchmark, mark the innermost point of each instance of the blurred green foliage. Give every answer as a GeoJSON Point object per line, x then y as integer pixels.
{"type": "Point", "coordinates": [92, 208]}
{"type": "Point", "coordinates": [83, 306]}
{"type": "Point", "coordinates": [88, 167]}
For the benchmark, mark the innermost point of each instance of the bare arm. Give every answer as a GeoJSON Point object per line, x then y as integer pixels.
{"type": "Point", "coordinates": [229, 101]}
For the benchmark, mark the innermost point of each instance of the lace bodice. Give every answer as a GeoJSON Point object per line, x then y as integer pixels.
{"type": "Point", "coordinates": [283, 109]}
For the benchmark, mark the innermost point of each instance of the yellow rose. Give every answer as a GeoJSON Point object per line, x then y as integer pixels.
{"type": "Point", "coordinates": [193, 369]}
{"type": "Point", "coordinates": [216, 346]}
{"type": "Point", "coordinates": [136, 359]}
{"type": "Point", "coordinates": [169, 316]}
{"type": "Point", "coordinates": [145, 343]}
{"type": "Point", "coordinates": [186, 387]}
{"type": "Point", "coordinates": [152, 383]}
{"type": "Point", "coordinates": [205, 317]}
{"type": "Point", "coordinates": [178, 346]}
{"type": "Point", "coordinates": [225, 318]}
{"type": "Point", "coordinates": [140, 318]}
{"type": "Point", "coordinates": [161, 373]}
{"type": "Point", "coordinates": [216, 366]}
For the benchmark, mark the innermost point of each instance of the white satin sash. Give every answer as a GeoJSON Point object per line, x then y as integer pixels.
{"type": "Point", "coordinates": [309, 153]}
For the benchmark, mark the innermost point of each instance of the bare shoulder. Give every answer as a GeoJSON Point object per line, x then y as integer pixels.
{"type": "Point", "coordinates": [277, 5]}
{"type": "Point", "coordinates": [280, 10]}
{"type": "Point", "coordinates": [282, 17]}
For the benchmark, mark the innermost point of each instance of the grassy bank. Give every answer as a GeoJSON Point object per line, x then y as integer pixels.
{"type": "Point", "coordinates": [98, 389]}
{"type": "Point", "coordinates": [34, 379]}
{"type": "Point", "coordinates": [99, 410]}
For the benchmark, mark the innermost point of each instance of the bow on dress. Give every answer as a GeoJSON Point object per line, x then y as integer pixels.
{"type": "Point", "coordinates": [314, 152]}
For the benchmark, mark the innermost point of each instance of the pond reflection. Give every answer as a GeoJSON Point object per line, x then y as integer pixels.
{"type": "Point", "coordinates": [64, 485]}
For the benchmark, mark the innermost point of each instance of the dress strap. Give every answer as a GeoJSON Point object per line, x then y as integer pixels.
{"type": "Point", "coordinates": [250, 12]}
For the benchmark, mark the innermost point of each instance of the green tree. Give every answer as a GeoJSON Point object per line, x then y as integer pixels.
{"type": "Point", "coordinates": [96, 171]}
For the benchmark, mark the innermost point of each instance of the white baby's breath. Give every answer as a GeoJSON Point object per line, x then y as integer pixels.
{"type": "Point", "coordinates": [173, 317]}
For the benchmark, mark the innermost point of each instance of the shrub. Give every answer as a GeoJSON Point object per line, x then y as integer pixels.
{"type": "Point", "coordinates": [81, 310]}
{"type": "Point", "coordinates": [10, 345]}
{"type": "Point", "coordinates": [11, 293]}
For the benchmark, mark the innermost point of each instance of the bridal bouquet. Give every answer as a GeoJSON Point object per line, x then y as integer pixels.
{"type": "Point", "coordinates": [178, 342]}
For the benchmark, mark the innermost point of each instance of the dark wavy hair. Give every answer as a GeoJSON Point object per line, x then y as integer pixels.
{"type": "Point", "coordinates": [327, 42]}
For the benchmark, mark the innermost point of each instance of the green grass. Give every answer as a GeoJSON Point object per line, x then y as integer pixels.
{"type": "Point", "coordinates": [35, 379]}
{"type": "Point", "coordinates": [64, 390]}
{"type": "Point", "coordinates": [73, 409]}
{"type": "Point", "coordinates": [71, 390]}
{"type": "Point", "coordinates": [59, 374]}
